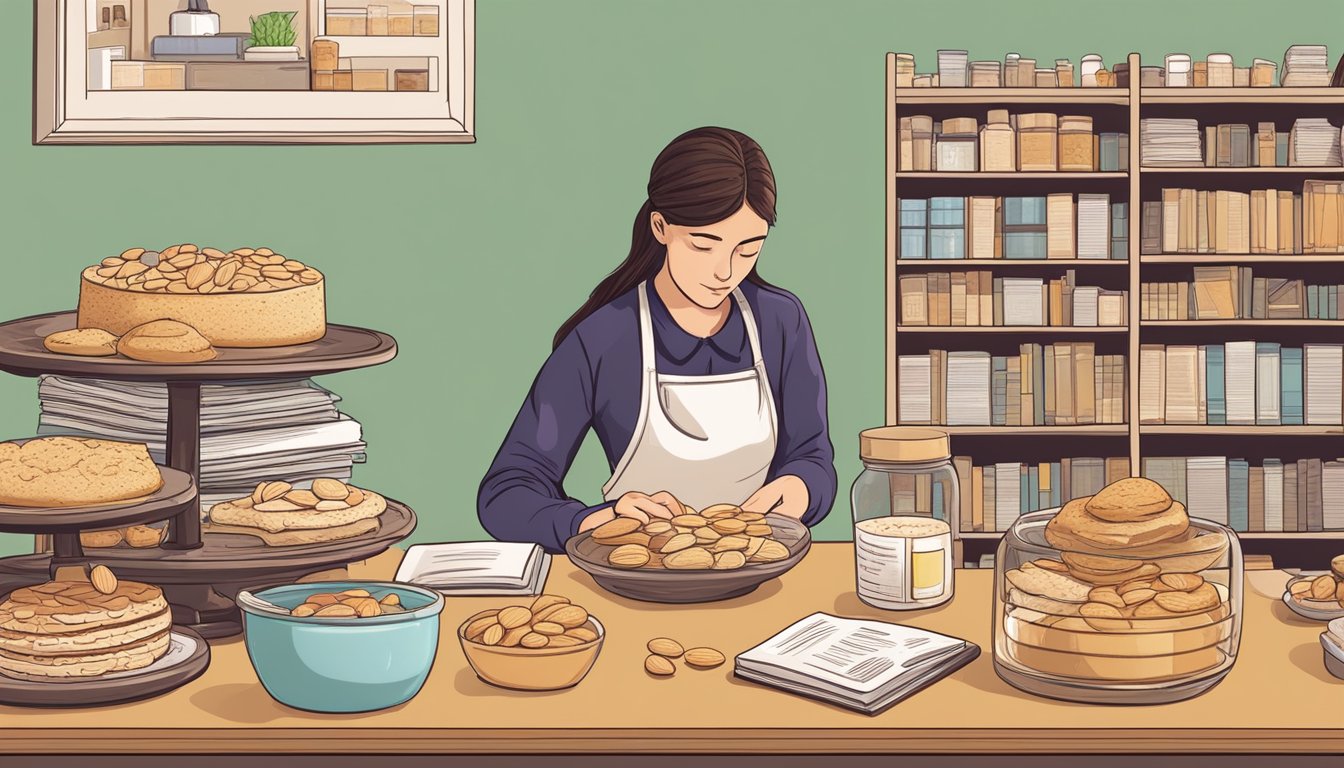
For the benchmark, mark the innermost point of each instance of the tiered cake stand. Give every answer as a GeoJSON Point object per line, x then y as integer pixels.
{"type": "Point", "coordinates": [200, 575]}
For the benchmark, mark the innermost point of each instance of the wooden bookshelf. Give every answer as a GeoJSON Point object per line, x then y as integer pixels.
{"type": "Point", "coordinates": [1247, 105]}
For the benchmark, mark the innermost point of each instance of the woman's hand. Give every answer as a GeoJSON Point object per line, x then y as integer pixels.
{"type": "Point", "coordinates": [640, 506]}
{"type": "Point", "coordinates": [785, 495]}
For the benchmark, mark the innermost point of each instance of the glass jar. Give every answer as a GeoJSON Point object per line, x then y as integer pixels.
{"type": "Point", "coordinates": [905, 504]}
{"type": "Point", "coordinates": [1093, 625]}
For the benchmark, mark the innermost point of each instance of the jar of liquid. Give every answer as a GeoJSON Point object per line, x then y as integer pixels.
{"type": "Point", "coordinates": [905, 504]}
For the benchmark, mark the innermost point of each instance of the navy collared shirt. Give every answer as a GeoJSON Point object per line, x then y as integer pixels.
{"type": "Point", "coordinates": [593, 381]}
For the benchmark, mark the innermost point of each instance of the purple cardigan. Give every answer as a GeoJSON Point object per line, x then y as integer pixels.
{"type": "Point", "coordinates": [593, 380]}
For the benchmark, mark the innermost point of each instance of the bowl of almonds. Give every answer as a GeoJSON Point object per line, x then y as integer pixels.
{"type": "Point", "coordinates": [341, 646]}
{"type": "Point", "coordinates": [545, 645]}
{"type": "Point", "coordinates": [717, 553]}
{"type": "Point", "coordinates": [1317, 595]}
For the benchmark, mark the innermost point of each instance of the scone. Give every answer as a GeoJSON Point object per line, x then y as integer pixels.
{"type": "Point", "coordinates": [75, 472]}
{"type": "Point", "coordinates": [166, 341]}
{"type": "Point", "coordinates": [1074, 526]}
{"type": "Point", "coordinates": [282, 515]}
{"type": "Point", "coordinates": [1128, 500]}
{"type": "Point", "coordinates": [84, 342]}
{"type": "Point", "coordinates": [74, 629]}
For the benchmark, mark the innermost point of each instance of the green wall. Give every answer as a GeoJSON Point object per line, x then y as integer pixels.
{"type": "Point", "coordinates": [472, 255]}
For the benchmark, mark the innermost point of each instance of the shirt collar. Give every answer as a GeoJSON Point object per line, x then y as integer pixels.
{"type": "Point", "coordinates": [678, 345]}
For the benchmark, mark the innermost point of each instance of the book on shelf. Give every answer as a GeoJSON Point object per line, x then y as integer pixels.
{"type": "Point", "coordinates": [1170, 142]}
{"type": "Point", "coordinates": [860, 664]}
{"type": "Point", "coordinates": [1217, 294]}
{"type": "Point", "coordinates": [1240, 383]}
{"type": "Point", "coordinates": [1001, 492]}
{"type": "Point", "coordinates": [1037, 141]}
{"type": "Point", "coordinates": [955, 145]}
{"type": "Point", "coordinates": [1306, 66]}
{"type": "Point", "coordinates": [1269, 221]}
{"type": "Point", "coordinates": [985, 227]}
{"type": "Point", "coordinates": [998, 143]}
{"type": "Point", "coordinates": [1322, 217]}
{"type": "Point", "coordinates": [1044, 385]}
{"type": "Point", "coordinates": [952, 68]}
{"type": "Point", "coordinates": [1271, 496]}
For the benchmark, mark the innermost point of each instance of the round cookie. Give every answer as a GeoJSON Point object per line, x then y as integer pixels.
{"type": "Point", "coordinates": [166, 341]}
{"type": "Point", "coordinates": [1073, 526]}
{"type": "Point", "coordinates": [84, 342]}
{"type": "Point", "coordinates": [1128, 500]}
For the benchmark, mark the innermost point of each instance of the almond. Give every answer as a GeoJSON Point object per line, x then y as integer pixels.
{"type": "Point", "coordinates": [365, 607]}
{"type": "Point", "coordinates": [1200, 599]}
{"type": "Point", "coordinates": [1323, 587]}
{"type": "Point", "coordinates": [534, 640]}
{"type": "Point", "coordinates": [720, 510]}
{"type": "Point", "coordinates": [694, 558]}
{"type": "Point", "coordinates": [689, 521]}
{"type": "Point", "coordinates": [327, 488]}
{"type": "Point", "coordinates": [1103, 617]}
{"type": "Point", "coordinates": [199, 274]}
{"type": "Point", "coordinates": [277, 505]}
{"type": "Point", "coordinates": [657, 665]}
{"type": "Point", "coordinates": [100, 539]}
{"type": "Point", "coordinates": [1183, 582]}
{"type": "Point", "coordinates": [704, 658]}
{"type": "Point", "coordinates": [514, 616]}
{"type": "Point", "coordinates": [355, 498]}
{"type": "Point", "coordinates": [582, 634]}
{"type": "Point", "coordinates": [493, 634]}
{"type": "Point", "coordinates": [750, 517]}
{"type": "Point", "coordinates": [103, 579]}
{"type": "Point", "coordinates": [666, 647]}
{"type": "Point", "coordinates": [770, 551]}
{"type": "Point", "coordinates": [759, 529]}
{"type": "Point", "coordinates": [1136, 596]}
{"type": "Point", "coordinates": [729, 561]}
{"type": "Point", "coordinates": [1130, 586]}
{"type": "Point", "coordinates": [306, 499]}
{"type": "Point", "coordinates": [477, 627]}
{"type": "Point", "coordinates": [337, 610]}
{"type": "Point", "coordinates": [656, 527]}
{"type": "Point", "coordinates": [546, 601]}
{"type": "Point", "coordinates": [548, 628]}
{"type": "Point", "coordinates": [629, 556]}
{"type": "Point", "coordinates": [660, 540]}
{"type": "Point", "coordinates": [1107, 596]}
{"type": "Point", "coordinates": [274, 490]}
{"type": "Point", "coordinates": [569, 616]}
{"type": "Point", "coordinates": [1299, 588]}
{"type": "Point", "coordinates": [635, 537]}
{"type": "Point", "coordinates": [514, 637]}
{"type": "Point", "coordinates": [614, 528]}
{"type": "Point", "coordinates": [730, 544]}
{"type": "Point", "coordinates": [391, 598]}
{"type": "Point", "coordinates": [678, 543]}
{"type": "Point", "coordinates": [330, 506]}
{"type": "Point", "coordinates": [132, 254]}
{"type": "Point", "coordinates": [706, 535]}
{"type": "Point", "coordinates": [307, 609]}
{"type": "Point", "coordinates": [728, 526]}
{"type": "Point", "coordinates": [565, 641]}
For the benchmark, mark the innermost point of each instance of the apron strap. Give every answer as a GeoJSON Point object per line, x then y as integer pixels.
{"type": "Point", "coordinates": [750, 319]}
{"type": "Point", "coordinates": [647, 353]}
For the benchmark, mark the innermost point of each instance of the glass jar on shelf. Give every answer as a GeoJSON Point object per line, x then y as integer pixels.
{"type": "Point", "coordinates": [1153, 622]}
{"type": "Point", "coordinates": [349, 22]}
{"type": "Point", "coordinates": [426, 20]}
{"type": "Point", "coordinates": [905, 504]}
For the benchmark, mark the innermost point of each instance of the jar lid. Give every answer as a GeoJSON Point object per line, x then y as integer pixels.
{"type": "Point", "coordinates": [904, 444]}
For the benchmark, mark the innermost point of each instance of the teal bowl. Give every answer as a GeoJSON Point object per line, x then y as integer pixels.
{"type": "Point", "coordinates": [341, 664]}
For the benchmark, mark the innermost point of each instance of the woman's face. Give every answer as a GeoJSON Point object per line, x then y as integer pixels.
{"type": "Point", "coordinates": [708, 262]}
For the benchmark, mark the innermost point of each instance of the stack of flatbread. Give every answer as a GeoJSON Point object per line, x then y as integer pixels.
{"type": "Point", "coordinates": [282, 515]}
{"type": "Point", "coordinates": [81, 629]}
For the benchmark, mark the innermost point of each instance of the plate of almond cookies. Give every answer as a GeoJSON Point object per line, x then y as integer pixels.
{"type": "Point", "coordinates": [1317, 595]}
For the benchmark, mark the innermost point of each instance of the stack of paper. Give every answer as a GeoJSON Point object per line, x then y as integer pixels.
{"type": "Point", "coordinates": [1314, 142]}
{"type": "Point", "coordinates": [250, 431]}
{"type": "Point", "coordinates": [1022, 304]}
{"type": "Point", "coordinates": [1206, 482]}
{"type": "Point", "coordinates": [1007, 495]}
{"type": "Point", "coordinates": [1059, 222]}
{"type": "Point", "coordinates": [1322, 385]}
{"type": "Point", "coordinates": [860, 664]}
{"type": "Point", "coordinates": [1239, 373]}
{"type": "Point", "coordinates": [968, 402]}
{"type": "Point", "coordinates": [1332, 495]}
{"type": "Point", "coordinates": [1305, 66]}
{"type": "Point", "coordinates": [1170, 141]}
{"type": "Point", "coordinates": [952, 69]}
{"type": "Point", "coordinates": [916, 396]}
{"type": "Point", "coordinates": [1094, 218]}
{"type": "Point", "coordinates": [477, 568]}
{"type": "Point", "coordinates": [1086, 299]}
{"type": "Point", "coordinates": [986, 74]}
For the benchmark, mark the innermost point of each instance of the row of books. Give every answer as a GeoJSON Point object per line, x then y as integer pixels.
{"type": "Point", "coordinates": [1006, 143]}
{"type": "Point", "coordinates": [994, 495]}
{"type": "Point", "coordinates": [1303, 66]}
{"type": "Point", "coordinates": [956, 70]}
{"type": "Point", "coordinates": [986, 227]}
{"type": "Point", "coordinates": [1269, 221]}
{"type": "Point", "coordinates": [1055, 384]}
{"type": "Point", "coordinates": [1179, 142]}
{"type": "Point", "coordinates": [1234, 293]}
{"type": "Point", "coordinates": [1277, 496]}
{"type": "Point", "coordinates": [979, 299]}
{"type": "Point", "coordinates": [1240, 382]}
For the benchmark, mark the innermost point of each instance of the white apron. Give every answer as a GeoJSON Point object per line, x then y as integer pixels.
{"type": "Point", "coordinates": [705, 439]}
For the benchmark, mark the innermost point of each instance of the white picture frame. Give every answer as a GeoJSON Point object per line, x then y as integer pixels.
{"type": "Point", "coordinates": [67, 111]}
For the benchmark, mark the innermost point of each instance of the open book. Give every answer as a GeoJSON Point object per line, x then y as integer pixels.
{"type": "Point", "coordinates": [859, 664]}
{"type": "Point", "coordinates": [477, 568]}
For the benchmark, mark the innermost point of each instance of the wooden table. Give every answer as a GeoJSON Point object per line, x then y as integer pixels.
{"type": "Point", "coordinates": [1278, 700]}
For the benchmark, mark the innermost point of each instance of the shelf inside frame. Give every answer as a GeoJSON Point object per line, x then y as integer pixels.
{"type": "Point", "coordinates": [1261, 95]}
{"type": "Point", "coordinates": [1257, 430]}
{"type": "Point", "coordinates": [1058, 175]}
{"type": "Point", "coordinates": [996, 263]}
{"type": "Point", "coordinates": [1084, 330]}
{"type": "Point", "coordinates": [1239, 323]}
{"type": "Point", "coordinates": [1060, 430]}
{"type": "Point", "coordinates": [993, 96]}
{"type": "Point", "coordinates": [1250, 170]}
{"type": "Point", "coordinates": [1235, 258]}
{"type": "Point", "coordinates": [380, 47]}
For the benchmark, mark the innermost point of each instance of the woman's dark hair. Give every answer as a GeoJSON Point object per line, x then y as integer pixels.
{"type": "Point", "coordinates": [702, 177]}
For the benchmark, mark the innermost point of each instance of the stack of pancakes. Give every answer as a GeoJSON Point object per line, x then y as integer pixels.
{"type": "Point", "coordinates": [72, 629]}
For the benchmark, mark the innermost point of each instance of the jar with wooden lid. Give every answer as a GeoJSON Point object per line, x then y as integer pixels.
{"type": "Point", "coordinates": [956, 145]}
{"type": "Point", "coordinates": [905, 504]}
{"type": "Point", "coordinates": [1038, 141]}
{"type": "Point", "coordinates": [998, 143]}
{"type": "Point", "coordinates": [1076, 143]}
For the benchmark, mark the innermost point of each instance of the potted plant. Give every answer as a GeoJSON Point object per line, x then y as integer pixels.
{"type": "Point", "coordinates": [272, 38]}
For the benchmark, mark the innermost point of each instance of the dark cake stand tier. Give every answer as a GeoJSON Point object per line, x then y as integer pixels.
{"type": "Point", "coordinates": [177, 494]}
{"type": "Point", "coordinates": [190, 580]}
{"type": "Point", "coordinates": [201, 583]}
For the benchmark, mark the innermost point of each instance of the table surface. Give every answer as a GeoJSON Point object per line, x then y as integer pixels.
{"type": "Point", "coordinates": [1278, 697]}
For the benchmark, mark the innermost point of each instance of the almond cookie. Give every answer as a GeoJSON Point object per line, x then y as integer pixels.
{"type": "Point", "coordinates": [166, 341]}
{"type": "Point", "coordinates": [84, 342]}
{"type": "Point", "coordinates": [1043, 583]}
{"type": "Point", "coordinates": [75, 471]}
{"type": "Point", "coordinates": [1074, 526]}
{"type": "Point", "coordinates": [1128, 500]}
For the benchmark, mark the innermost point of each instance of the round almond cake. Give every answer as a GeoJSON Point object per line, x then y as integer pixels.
{"type": "Point", "coordinates": [243, 298]}
{"type": "Point", "coordinates": [75, 472]}
{"type": "Point", "coordinates": [72, 629]}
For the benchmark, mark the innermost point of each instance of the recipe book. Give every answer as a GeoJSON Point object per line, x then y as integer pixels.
{"type": "Point", "coordinates": [860, 664]}
{"type": "Point", "coordinates": [477, 568]}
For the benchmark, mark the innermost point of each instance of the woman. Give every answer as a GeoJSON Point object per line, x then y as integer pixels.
{"type": "Point", "coordinates": [701, 380]}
